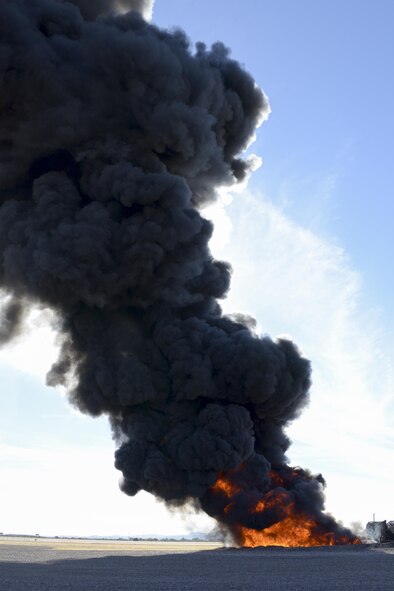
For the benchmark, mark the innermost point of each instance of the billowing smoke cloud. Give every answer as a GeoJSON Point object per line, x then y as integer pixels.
{"type": "Point", "coordinates": [113, 135]}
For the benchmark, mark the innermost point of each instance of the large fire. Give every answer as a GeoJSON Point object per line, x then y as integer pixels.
{"type": "Point", "coordinates": [294, 527]}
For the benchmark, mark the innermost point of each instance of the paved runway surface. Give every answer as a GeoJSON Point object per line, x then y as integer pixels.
{"type": "Point", "coordinates": [48, 565]}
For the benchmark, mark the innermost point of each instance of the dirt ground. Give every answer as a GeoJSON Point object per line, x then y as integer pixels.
{"type": "Point", "coordinates": [29, 564]}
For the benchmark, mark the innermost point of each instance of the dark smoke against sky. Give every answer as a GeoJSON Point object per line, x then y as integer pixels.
{"type": "Point", "coordinates": [91, 9]}
{"type": "Point", "coordinates": [113, 135]}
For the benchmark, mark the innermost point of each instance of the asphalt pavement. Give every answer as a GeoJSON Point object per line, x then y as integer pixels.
{"type": "Point", "coordinates": [183, 567]}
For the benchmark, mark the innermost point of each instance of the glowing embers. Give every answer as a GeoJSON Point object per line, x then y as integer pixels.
{"type": "Point", "coordinates": [287, 522]}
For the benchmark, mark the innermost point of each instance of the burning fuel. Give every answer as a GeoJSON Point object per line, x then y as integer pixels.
{"type": "Point", "coordinates": [275, 517]}
{"type": "Point", "coordinates": [114, 134]}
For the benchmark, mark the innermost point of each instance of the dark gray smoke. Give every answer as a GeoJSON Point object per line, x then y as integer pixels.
{"type": "Point", "coordinates": [11, 319]}
{"type": "Point", "coordinates": [113, 135]}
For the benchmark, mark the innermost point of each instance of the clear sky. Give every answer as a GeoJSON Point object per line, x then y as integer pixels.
{"type": "Point", "coordinates": [311, 243]}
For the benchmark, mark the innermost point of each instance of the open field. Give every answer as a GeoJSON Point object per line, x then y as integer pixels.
{"type": "Point", "coordinates": [29, 564]}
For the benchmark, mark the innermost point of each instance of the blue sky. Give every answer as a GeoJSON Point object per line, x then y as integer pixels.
{"type": "Point", "coordinates": [326, 69]}
{"type": "Point", "coordinates": [311, 242]}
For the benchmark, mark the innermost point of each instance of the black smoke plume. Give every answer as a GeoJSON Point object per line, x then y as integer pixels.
{"type": "Point", "coordinates": [113, 135]}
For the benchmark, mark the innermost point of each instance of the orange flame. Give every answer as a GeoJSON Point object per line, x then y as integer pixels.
{"type": "Point", "coordinates": [294, 529]}
{"type": "Point", "coordinates": [225, 486]}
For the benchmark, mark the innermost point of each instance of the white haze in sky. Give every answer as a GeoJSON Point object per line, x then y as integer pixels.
{"type": "Point", "coordinates": [304, 286]}
{"type": "Point", "coordinates": [144, 6]}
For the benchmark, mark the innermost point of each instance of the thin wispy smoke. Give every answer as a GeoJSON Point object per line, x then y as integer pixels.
{"type": "Point", "coordinates": [113, 135]}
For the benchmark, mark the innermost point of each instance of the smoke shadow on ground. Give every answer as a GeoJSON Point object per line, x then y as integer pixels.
{"type": "Point", "coordinates": [277, 569]}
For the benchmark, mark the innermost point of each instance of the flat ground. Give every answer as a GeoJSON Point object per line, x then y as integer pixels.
{"type": "Point", "coordinates": [28, 564]}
